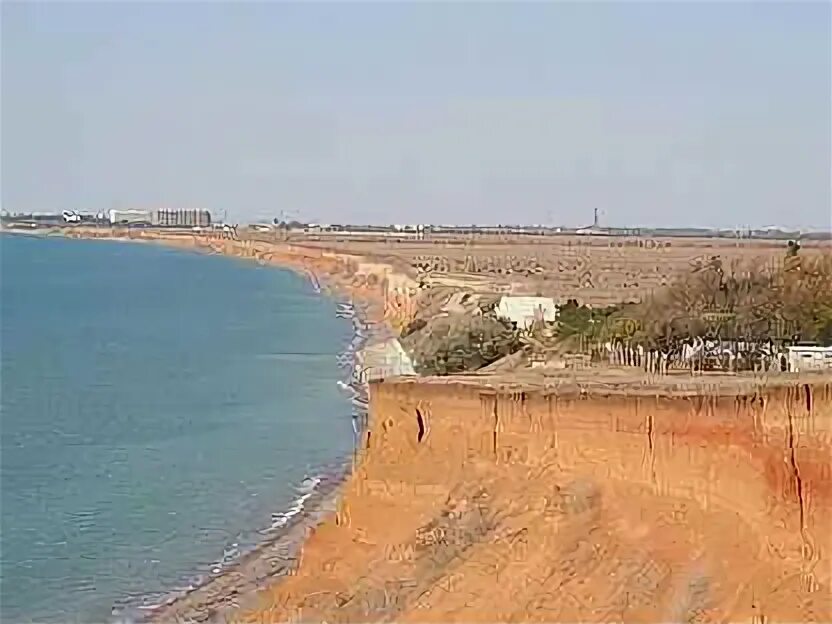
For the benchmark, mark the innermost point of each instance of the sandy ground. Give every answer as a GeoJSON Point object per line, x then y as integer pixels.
{"type": "Point", "coordinates": [593, 270]}
{"type": "Point", "coordinates": [526, 498]}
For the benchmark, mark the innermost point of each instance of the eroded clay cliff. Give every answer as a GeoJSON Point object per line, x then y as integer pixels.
{"type": "Point", "coordinates": [502, 504]}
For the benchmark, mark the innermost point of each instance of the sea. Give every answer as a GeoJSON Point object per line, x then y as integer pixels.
{"type": "Point", "coordinates": [161, 413]}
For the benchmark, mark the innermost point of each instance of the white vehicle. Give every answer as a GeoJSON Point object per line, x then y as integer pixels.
{"type": "Point", "coordinates": [71, 216]}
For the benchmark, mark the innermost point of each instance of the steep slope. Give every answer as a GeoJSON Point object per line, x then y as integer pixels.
{"type": "Point", "coordinates": [503, 504]}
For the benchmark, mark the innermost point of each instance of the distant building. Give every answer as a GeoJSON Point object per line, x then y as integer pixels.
{"type": "Point", "coordinates": [181, 218]}
{"type": "Point", "coordinates": [596, 230]}
{"type": "Point", "coordinates": [523, 311]}
{"type": "Point", "coordinates": [809, 358]}
{"type": "Point", "coordinates": [129, 217]}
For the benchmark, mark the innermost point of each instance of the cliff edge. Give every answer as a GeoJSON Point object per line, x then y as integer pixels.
{"type": "Point", "coordinates": [475, 501]}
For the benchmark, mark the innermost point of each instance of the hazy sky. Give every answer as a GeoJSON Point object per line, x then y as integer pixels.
{"type": "Point", "coordinates": [657, 113]}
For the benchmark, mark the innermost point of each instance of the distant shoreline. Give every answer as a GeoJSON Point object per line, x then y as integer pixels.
{"type": "Point", "coordinates": [772, 234]}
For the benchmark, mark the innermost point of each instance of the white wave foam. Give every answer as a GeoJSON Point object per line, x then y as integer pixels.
{"type": "Point", "coordinates": [280, 520]}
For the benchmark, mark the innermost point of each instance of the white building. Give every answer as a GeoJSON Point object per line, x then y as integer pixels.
{"type": "Point", "coordinates": [383, 360]}
{"type": "Point", "coordinates": [129, 216]}
{"type": "Point", "coordinates": [524, 310]}
{"type": "Point", "coordinates": [809, 358]}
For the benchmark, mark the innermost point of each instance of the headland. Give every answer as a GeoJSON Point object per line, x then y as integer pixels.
{"type": "Point", "coordinates": [549, 493]}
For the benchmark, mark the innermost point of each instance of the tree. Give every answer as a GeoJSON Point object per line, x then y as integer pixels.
{"type": "Point", "coordinates": [575, 319]}
{"type": "Point", "coordinates": [751, 302]}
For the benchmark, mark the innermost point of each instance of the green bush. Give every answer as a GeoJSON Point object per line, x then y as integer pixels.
{"type": "Point", "coordinates": [458, 343]}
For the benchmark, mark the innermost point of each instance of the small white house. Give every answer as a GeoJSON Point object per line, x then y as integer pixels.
{"type": "Point", "coordinates": [523, 310]}
{"type": "Point", "coordinates": [383, 360]}
{"type": "Point", "coordinates": [809, 358]}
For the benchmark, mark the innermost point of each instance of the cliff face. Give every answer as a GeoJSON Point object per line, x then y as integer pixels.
{"type": "Point", "coordinates": [478, 505]}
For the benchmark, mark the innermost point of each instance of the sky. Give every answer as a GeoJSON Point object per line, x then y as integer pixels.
{"type": "Point", "coordinates": [658, 114]}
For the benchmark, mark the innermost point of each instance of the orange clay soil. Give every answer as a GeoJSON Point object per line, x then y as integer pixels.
{"type": "Point", "coordinates": [480, 504]}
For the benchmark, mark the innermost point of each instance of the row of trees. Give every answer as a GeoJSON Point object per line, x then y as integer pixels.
{"type": "Point", "coordinates": [786, 301]}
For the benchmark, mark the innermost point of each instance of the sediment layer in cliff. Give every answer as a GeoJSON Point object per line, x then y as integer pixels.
{"type": "Point", "coordinates": [473, 503]}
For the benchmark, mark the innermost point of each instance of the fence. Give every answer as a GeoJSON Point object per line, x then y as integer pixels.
{"type": "Point", "coordinates": [696, 355]}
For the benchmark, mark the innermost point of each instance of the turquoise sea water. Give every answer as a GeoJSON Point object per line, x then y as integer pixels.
{"type": "Point", "coordinates": [157, 407]}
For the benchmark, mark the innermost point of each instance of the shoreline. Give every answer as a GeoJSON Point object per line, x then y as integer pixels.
{"type": "Point", "coordinates": [236, 587]}
{"type": "Point", "coordinates": [232, 586]}
{"type": "Point", "coordinates": [637, 498]}
{"type": "Point", "coordinates": [215, 594]}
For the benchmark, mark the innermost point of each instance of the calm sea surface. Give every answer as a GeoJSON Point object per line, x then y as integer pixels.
{"type": "Point", "coordinates": [157, 407]}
